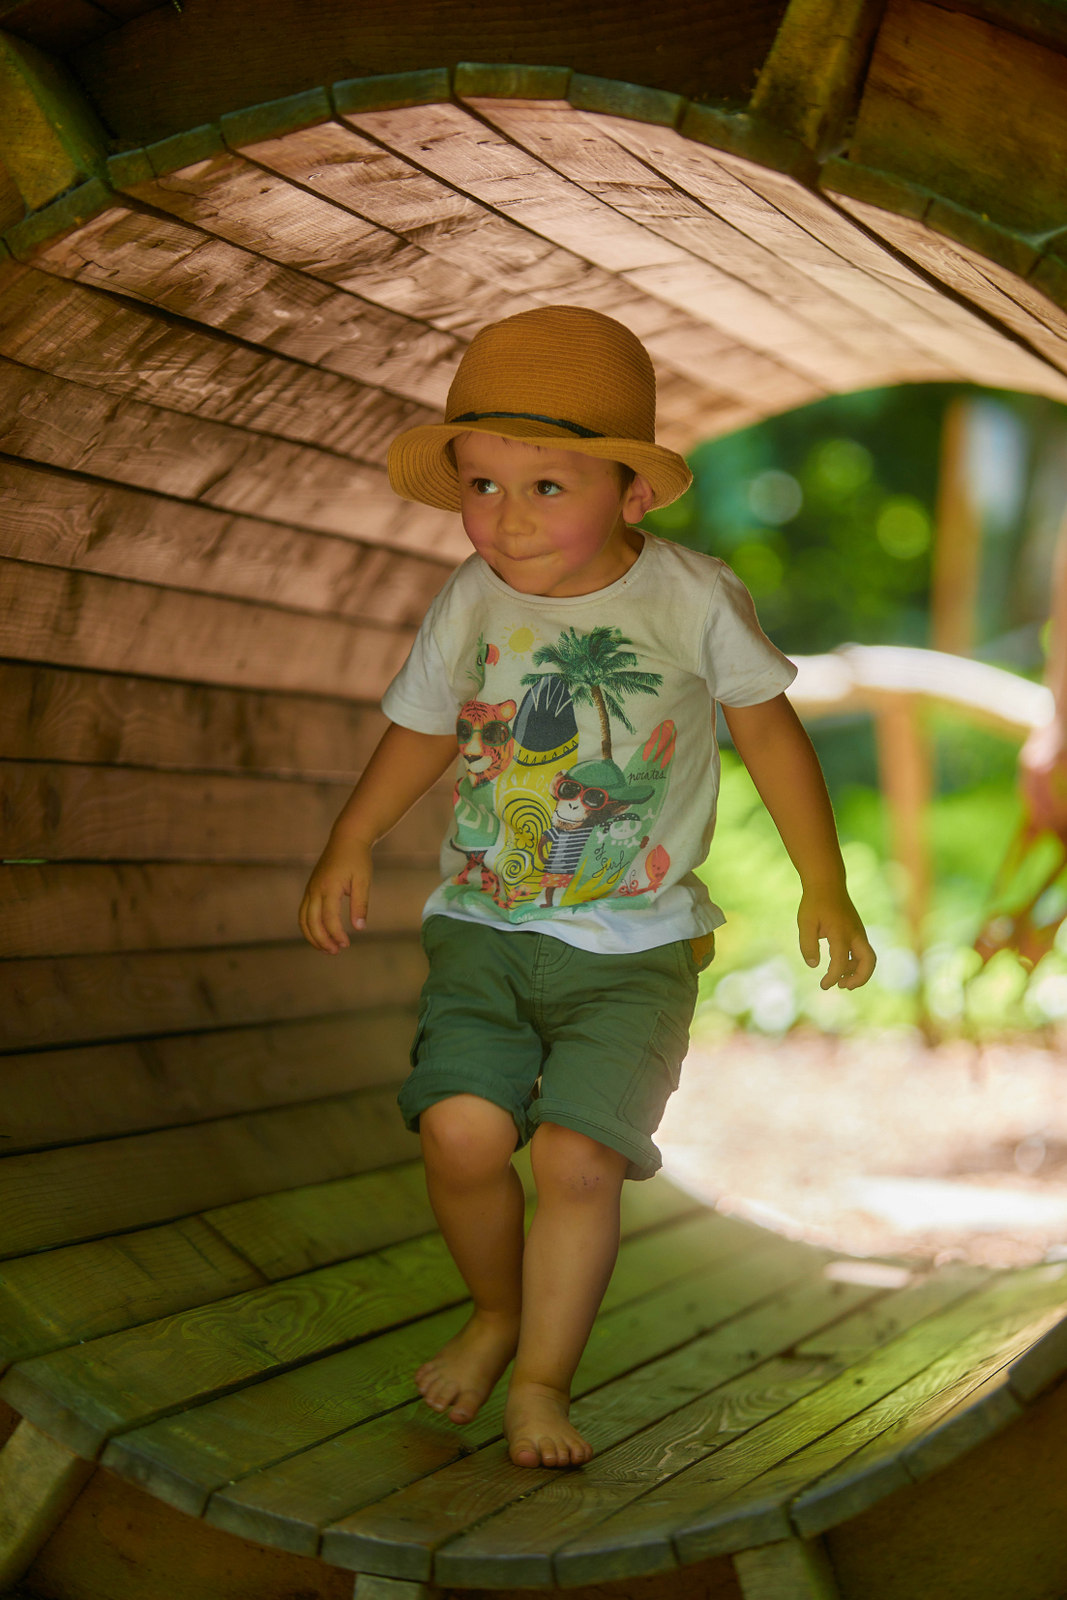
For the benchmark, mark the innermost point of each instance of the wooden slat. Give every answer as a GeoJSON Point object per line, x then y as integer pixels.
{"type": "Point", "coordinates": [128, 1379]}
{"type": "Point", "coordinates": [924, 115]}
{"type": "Point", "coordinates": [636, 1535]}
{"type": "Point", "coordinates": [78, 619]}
{"type": "Point", "coordinates": [79, 998]}
{"type": "Point", "coordinates": [56, 423]}
{"type": "Point", "coordinates": [57, 1297]}
{"type": "Point", "coordinates": [77, 908]}
{"type": "Point", "coordinates": [128, 813]}
{"type": "Point", "coordinates": [298, 227]}
{"type": "Point", "coordinates": [64, 1196]}
{"type": "Point", "coordinates": [621, 1386]}
{"type": "Point", "coordinates": [66, 521]}
{"type": "Point", "coordinates": [179, 268]}
{"type": "Point", "coordinates": [48, 714]}
{"type": "Point", "coordinates": [777, 309]}
{"type": "Point", "coordinates": [39, 1482]}
{"type": "Point", "coordinates": [789, 1569]}
{"type": "Point", "coordinates": [99, 1091]}
{"type": "Point", "coordinates": [187, 1456]}
{"type": "Point", "coordinates": [80, 333]}
{"type": "Point", "coordinates": [795, 250]}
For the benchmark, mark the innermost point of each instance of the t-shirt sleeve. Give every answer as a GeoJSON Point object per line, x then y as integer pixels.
{"type": "Point", "coordinates": [420, 697]}
{"type": "Point", "coordinates": [741, 665]}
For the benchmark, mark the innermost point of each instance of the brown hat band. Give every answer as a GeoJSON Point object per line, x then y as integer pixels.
{"type": "Point", "coordinates": [530, 416]}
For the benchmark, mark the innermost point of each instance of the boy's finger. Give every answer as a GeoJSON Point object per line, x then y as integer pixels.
{"type": "Point", "coordinates": [809, 940]}
{"type": "Point", "coordinates": [841, 965]}
{"type": "Point", "coordinates": [864, 961]}
{"type": "Point", "coordinates": [357, 909]}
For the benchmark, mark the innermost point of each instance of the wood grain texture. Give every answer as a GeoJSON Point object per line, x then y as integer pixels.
{"type": "Point", "coordinates": [212, 61]}
{"type": "Point", "coordinates": [925, 114]}
{"type": "Point", "coordinates": [89, 337]}
{"type": "Point", "coordinates": [79, 619]}
{"type": "Point", "coordinates": [57, 1297]}
{"type": "Point", "coordinates": [98, 1091]}
{"type": "Point", "coordinates": [39, 1481]}
{"type": "Point", "coordinates": [65, 811]}
{"type": "Point", "coordinates": [194, 274]}
{"type": "Point", "coordinates": [78, 998]}
{"type": "Point", "coordinates": [81, 908]}
{"type": "Point", "coordinates": [128, 1379]}
{"type": "Point", "coordinates": [64, 1196]}
{"type": "Point", "coordinates": [93, 526]}
{"type": "Point", "coordinates": [49, 714]}
{"type": "Point", "coordinates": [790, 1569]}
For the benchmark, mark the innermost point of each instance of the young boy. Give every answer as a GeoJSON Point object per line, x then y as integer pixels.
{"type": "Point", "coordinates": [573, 663]}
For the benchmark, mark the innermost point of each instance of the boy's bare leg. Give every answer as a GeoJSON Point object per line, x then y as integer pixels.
{"type": "Point", "coordinates": [570, 1253]}
{"type": "Point", "coordinates": [478, 1200]}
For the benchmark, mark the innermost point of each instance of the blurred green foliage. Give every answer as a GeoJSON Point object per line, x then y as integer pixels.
{"type": "Point", "coordinates": [828, 515]}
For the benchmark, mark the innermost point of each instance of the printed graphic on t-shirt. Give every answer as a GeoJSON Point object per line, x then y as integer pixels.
{"type": "Point", "coordinates": [543, 824]}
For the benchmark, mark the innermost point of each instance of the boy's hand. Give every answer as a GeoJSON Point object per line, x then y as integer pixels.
{"type": "Point", "coordinates": [830, 915]}
{"type": "Point", "coordinates": [343, 871]}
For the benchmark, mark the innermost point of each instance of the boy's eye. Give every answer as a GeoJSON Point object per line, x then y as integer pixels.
{"type": "Point", "coordinates": [546, 487]}
{"type": "Point", "coordinates": [483, 485]}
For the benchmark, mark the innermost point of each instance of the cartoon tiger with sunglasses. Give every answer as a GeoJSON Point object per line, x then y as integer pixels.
{"type": "Point", "coordinates": [486, 741]}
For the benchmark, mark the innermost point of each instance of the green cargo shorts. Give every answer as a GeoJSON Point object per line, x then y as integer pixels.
{"type": "Point", "coordinates": [552, 1033]}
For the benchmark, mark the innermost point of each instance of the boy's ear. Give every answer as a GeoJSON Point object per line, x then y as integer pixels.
{"type": "Point", "coordinates": [638, 499]}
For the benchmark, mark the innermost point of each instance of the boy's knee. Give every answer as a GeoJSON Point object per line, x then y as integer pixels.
{"type": "Point", "coordinates": [466, 1137]}
{"type": "Point", "coordinates": [573, 1164]}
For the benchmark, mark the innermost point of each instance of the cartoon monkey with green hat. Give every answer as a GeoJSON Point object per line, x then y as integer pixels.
{"type": "Point", "coordinates": [587, 796]}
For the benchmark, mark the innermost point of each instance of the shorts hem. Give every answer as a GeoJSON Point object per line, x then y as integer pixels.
{"type": "Point", "coordinates": [415, 1098]}
{"type": "Point", "coordinates": [645, 1159]}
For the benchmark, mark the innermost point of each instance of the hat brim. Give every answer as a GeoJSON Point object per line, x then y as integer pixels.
{"type": "Point", "coordinates": [421, 468]}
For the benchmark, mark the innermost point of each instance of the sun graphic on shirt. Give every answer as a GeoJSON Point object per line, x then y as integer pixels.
{"type": "Point", "coordinates": [520, 641]}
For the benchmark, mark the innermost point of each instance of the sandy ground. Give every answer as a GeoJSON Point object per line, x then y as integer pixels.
{"type": "Point", "coordinates": [880, 1145]}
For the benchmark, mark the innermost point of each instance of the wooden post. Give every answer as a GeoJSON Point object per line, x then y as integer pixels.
{"type": "Point", "coordinates": [958, 544]}
{"type": "Point", "coordinates": [50, 138]}
{"type": "Point", "coordinates": [39, 1481]}
{"type": "Point", "coordinates": [371, 1587]}
{"type": "Point", "coordinates": [812, 79]}
{"type": "Point", "coordinates": [906, 781]}
{"type": "Point", "coordinates": [791, 1569]}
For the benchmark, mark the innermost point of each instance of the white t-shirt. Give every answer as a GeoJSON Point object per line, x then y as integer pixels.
{"type": "Point", "coordinates": [589, 770]}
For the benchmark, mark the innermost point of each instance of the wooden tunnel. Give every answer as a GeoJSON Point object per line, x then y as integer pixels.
{"type": "Point", "coordinates": [244, 245]}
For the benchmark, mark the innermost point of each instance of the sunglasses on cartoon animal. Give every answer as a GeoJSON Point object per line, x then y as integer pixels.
{"type": "Point", "coordinates": [548, 522]}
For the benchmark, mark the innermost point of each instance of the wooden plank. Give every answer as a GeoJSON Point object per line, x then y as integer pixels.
{"type": "Point", "coordinates": [81, 908]}
{"type": "Point", "coordinates": [77, 619]}
{"type": "Point", "coordinates": [723, 1331]}
{"type": "Point", "coordinates": [84, 813]}
{"type": "Point", "coordinates": [48, 714]}
{"type": "Point", "coordinates": [638, 1537]}
{"type": "Point", "coordinates": [99, 1091]}
{"type": "Point", "coordinates": [280, 493]}
{"type": "Point", "coordinates": [789, 1569]}
{"type": "Point", "coordinates": [79, 998]}
{"type": "Point", "coordinates": [747, 294]}
{"type": "Point", "coordinates": [186, 1456]}
{"type": "Point", "coordinates": [754, 1481]}
{"type": "Point", "coordinates": [128, 1379]}
{"type": "Point", "coordinates": [925, 114]}
{"type": "Point", "coordinates": [56, 1297]}
{"type": "Point", "coordinates": [181, 269]}
{"type": "Point", "coordinates": [799, 252]}
{"type": "Point", "coordinates": [64, 1196]}
{"type": "Point", "coordinates": [39, 1481]}
{"type": "Point", "coordinates": [206, 65]}
{"type": "Point", "coordinates": [77, 332]}
{"type": "Point", "coordinates": [300, 227]}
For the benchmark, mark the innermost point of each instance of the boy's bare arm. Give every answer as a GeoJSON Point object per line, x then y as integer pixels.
{"type": "Point", "coordinates": [772, 743]}
{"type": "Point", "coordinates": [400, 771]}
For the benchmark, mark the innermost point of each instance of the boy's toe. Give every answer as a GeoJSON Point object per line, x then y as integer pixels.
{"type": "Point", "coordinates": [465, 1406]}
{"type": "Point", "coordinates": [524, 1453]}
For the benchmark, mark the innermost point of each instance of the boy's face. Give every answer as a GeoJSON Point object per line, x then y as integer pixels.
{"type": "Point", "coordinates": [550, 522]}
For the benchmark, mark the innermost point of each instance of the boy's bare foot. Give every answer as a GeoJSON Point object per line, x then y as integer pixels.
{"type": "Point", "coordinates": [464, 1371]}
{"type": "Point", "coordinates": [538, 1430]}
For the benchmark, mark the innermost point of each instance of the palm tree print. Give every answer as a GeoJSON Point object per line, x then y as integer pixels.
{"type": "Point", "coordinates": [598, 671]}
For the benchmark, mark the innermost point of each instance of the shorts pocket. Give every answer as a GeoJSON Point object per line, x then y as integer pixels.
{"type": "Point", "coordinates": [421, 1024]}
{"type": "Point", "coordinates": [656, 1077]}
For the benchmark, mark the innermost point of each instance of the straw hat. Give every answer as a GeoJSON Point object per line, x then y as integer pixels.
{"type": "Point", "coordinates": [560, 375]}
